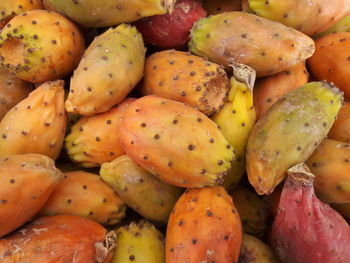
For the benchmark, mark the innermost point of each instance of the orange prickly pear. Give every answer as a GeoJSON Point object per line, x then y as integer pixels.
{"type": "Point", "coordinates": [343, 25]}
{"type": "Point", "coordinates": [340, 130]}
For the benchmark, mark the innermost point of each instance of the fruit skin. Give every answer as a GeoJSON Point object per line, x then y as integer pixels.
{"type": "Point", "coordinates": [58, 239]}
{"type": "Point", "coordinates": [250, 42]}
{"type": "Point", "coordinates": [204, 226]}
{"type": "Point", "coordinates": [26, 182]}
{"type": "Point", "coordinates": [343, 25]}
{"type": "Point", "coordinates": [37, 124]}
{"type": "Point", "coordinates": [237, 118]}
{"type": "Point", "coordinates": [330, 164]}
{"type": "Point", "coordinates": [91, 13]}
{"type": "Point", "coordinates": [269, 89]}
{"type": "Point", "coordinates": [308, 16]}
{"type": "Point", "coordinates": [186, 78]}
{"type": "Point", "coordinates": [157, 133]}
{"type": "Point", "coordinates": [330, 61]}
{"type": "Point", "coordinates": [40, 45]}
{"type": "Point", "coordinates": [139, 242]}
{"type": "Point", "coordinates": [289, 132]}
{"type": "Point", "coordinates": [94, 140]}
{"type": "Point", "coordinates": [340, 130]}
{"type": "Point", "coordinates": [142, 191]}
{"type": "Point", "coordinates": [111, 67]}
{"type": "Point", "coordinates": [86, 195]}
{"type": "Point", "coordinates": [214, 7]}
{"type": "Point", "coordinates": [326, 235]}
{"type": "Point", "coordinates": [343, 209]}
{"type": "Point", "coordinates": [12, 91]}
{"type": "Point", "coordinates": [171, 30]}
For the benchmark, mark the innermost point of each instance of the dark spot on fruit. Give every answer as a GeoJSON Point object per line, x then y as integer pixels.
{"type": "Point", "coordinates": [69, 201]}
{"type": "Point", "coordinates": [12, 181]}
{"type": "Point", "coordinates": [194, 241]}
{"type": "Point", "coordinates": [191, 147]}
{"type": "Point", "coordinates": [175, 121]}
{"type": "Point", "coordinates": [108, 121]}
{"type": "Point", "coordinates": [143, 125]}
{"type": "Point", "coordinates": [209, 213]}
{"type": "Point", "coordinates": [181, 222]}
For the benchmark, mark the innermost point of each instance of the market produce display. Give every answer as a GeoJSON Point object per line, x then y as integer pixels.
{"type": "Point", "coordinates": [174, 131]}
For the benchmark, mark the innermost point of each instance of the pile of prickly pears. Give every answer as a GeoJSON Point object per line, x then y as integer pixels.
{"type": "Point", "coordinates": [174, 131]}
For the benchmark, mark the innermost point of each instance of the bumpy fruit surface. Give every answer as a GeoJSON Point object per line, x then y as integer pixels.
{"type": "Point", "coordinates": [141, 190]}
{"type": "Point", "coordinates": [111, 67]}
{"type": "Point", "coordinates": [140, 243]}
{"type": "Point", "coordinates": [186, 78]}
{"type": "Point", "coordinates": [94, 140]}
{"type": "Point", "coordinates": [40, 45]}
{"type": "Point", "coordinates": [37, 124]}
{"type": "Point", "coordinates": [58, 239]}
{"type": "Point", "coordinates": [250, 42]}
{"type": "Point", "coordinates": [157, 133]}
{"type": "Point", "coordinates": [340, 130]}
{"type": "Point", "coordinates": [26, 182]}
{"type": "Point", "coordinates": [215, 7]}
{"type": "Point", "coordinates": [203, 227]}
{"type": "Point", "coordinates": [289, 133]}
{"type": "Point", "coordinates": [343, 25]}
{"type": "Point", "coordinates": [85, 194]}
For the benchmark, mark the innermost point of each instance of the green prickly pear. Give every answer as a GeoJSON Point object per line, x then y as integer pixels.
{"type": "Point", "coordinates": [289, 132]}
{"type": "Point", "coordinates": [142, 191]}
{"type": "Point", "coordinates": [37, 124]}
{"type": "Point", "coordinates": [111, 67]}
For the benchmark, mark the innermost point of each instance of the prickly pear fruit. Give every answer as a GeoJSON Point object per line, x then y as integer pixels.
{"type": "Point", "coordinates": [308, 16]}
{"type": "Point", "coordinates": [58, 239]}
{"type": "Point", "coordinates": [85, 194]}
{"type": "Point", "coordinates": [325, 234]}
{"type": "Point", "coordinates": [343, 209]}
{"type": "Point", "coordinates": [186, 78]}
{"type": "Point", "coordinates": [157, 133]}
{"type": "Point", "coordinates": [250, 42]}
{"type": "Point", "coordinates": [94, 140]}
{"type": "Point", "coordinates": [269, 89]}
{"type": "Point", "coordinates": [343, 25]}
{"type": "Point", "coordinates": [204, 226]}
{"type": "Point", "coordinates": [111, 67]}
{"type": "Point", "coordinates": [330, 163]}
{"type": "Point", "coordinates": [331, 59]}
{"type": "Point", "coordinates": [91, 13]}
{"type": "Point", "coordinates": [26, 182]}
{"type": "Point", "coordinates": [37, 124]}
{"type": "Point", "coordinates": [237, 118]}
{"type": "Point", "coordinates": [255, 251]}
{"type": "Point", "coordinates": [171, 30]}
{"type": "Point", "coordinates": [289, 132]}
{"type": "Point", "coordinates": [340, 130]}
{"type": "Point", "coordinates": [12, 91]}
{"type": "Point", "coordinates": [139, 243]}
{"type": "Point", "coordinates": [252, 210]}
{"type": "Point", "coordinates": [215, 7]}
{"type": "Point", "coordinates": [40, 45]}
{"type": "Point", "coordinates": [142, 191]}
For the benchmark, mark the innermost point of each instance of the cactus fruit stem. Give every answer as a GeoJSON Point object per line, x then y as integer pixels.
{"type": "Point", "coordinates": [244, 74]}
{"type": "Point", "coordinates": [301, 174]}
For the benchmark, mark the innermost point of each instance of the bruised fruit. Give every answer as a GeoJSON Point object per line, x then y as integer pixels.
{"type": "Point", "coordinates": [158, 133]}
{"type": "Point", "coordinates": [214, 7]}
{"type": "Point", "coordinates": [139, 243]}
{"type": "Point", "coordinates": [343, 25]}
{"type": "Point", "coordinates": [204, 226]}
{"type": "Point", "coordinates": [111, 67]}
{"type": "Point", "coordinates": [142, 191]}
{"type": "Point", "coordinates": [186, 78]}
{"type": "Point", "coordinates": [250, 42]}
{"type": "Point", "coordinates": [37, 124]}
{"type": "Point", "coordinates": [58, 239]}
{"type": "Point", "coordinates": [305, 229]}
{"type": "Point", "coordinates": [26, 182]}
{"type": "Point", "coordinates": [340, 130]}
{"type": "Point", "coordinates": [40, 45]}
{"type": "Point", "coordinates": [289, 132]}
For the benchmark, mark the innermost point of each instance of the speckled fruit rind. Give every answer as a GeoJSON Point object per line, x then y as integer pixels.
{"type": "Point", "coordinates": [250, 42]}
{"type": "Point", "coordinates": [92, 13]}
{"type": "Point", "coordinates": [308, 16]}
{"type": "Point", "coordinates": [340, 130]}
{"type": "Point", "coordinates": [40, 45]}
{"type": "Point", "coordinates": [142, 191]}
{"type": "Point", "coordinates": [204, 226]}
{"type": "Point", "coordinates": [289, 132]}
{"type": "Point", "coordinates": [94, 140]}
{"type": "Point", "coordinates": [343, 25]}
{"type": "Point", "coordinates": [86, 195]}
{"type": "Point", "coordinates": [215, 7]}
{"type": "Point", "coordinates": [12, 91]}
{"type": "Point", "coordinates": [175, 142]}
{"type": "Point", "coordinates": [37, 124]}
{"type": "Point", "coordinates": [26, 182]}
{"type": "Point", "coordinates": [186, 78]}
{"type": "Point", "coordinates": [139, 242]}
{"type": "Point", "coordinates": [237, 118]}
{"type": "Point", "coordinates": [330, 163]}
{"type": "Point", "coordinates": [59, 239]}
{"type": "Point", "coordinates": [111, 67]}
